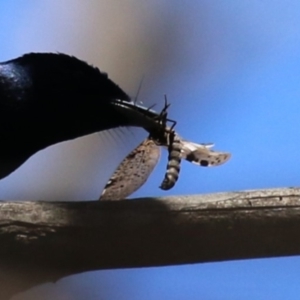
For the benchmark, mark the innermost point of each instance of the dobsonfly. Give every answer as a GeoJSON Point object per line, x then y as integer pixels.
{"type": "Point", "coordinates": [137, 166]}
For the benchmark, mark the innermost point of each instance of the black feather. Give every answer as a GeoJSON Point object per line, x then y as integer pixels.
{"type": "Point", "coordinates": [47, 98]}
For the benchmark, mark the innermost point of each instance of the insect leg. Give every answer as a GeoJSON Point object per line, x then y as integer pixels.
{"type": "Point", "coordinates": [164, 112]}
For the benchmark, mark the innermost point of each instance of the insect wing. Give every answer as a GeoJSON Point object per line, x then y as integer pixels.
{"type": "Point", "coordinates": [133, 171]}
{"type": "Point", "coordinates": [190, 146]}
{"type": "Point", "coordinates": [202, 154]}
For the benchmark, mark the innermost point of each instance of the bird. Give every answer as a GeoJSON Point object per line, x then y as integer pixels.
{"type": "Point", "coordinates": [47, 98]}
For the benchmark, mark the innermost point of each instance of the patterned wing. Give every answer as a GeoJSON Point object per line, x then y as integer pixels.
{"type": "Point", "coordinates": [133, 171]}
{"type": "Point", "coordinates": [201, 154]}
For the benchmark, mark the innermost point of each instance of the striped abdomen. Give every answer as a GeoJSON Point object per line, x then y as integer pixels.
{"type": "Point", "coordinates": [174, 159]}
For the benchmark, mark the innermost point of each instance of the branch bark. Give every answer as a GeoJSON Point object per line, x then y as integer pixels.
{"type": "Point", "coordinates": [53, 240]}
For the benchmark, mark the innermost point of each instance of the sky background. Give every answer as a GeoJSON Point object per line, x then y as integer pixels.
{"type": "Point", "coordinates": [231, 70]}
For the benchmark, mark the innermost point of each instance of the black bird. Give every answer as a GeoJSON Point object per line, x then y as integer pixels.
{"type": "Point", "coordinates": [46, 98]}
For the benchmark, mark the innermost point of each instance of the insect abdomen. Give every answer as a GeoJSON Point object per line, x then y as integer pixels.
{"type": "Point", "coordinates": [174, 159]}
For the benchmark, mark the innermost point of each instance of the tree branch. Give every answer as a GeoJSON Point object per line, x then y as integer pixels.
{"type": "Point", "coordinates": [59, 239]}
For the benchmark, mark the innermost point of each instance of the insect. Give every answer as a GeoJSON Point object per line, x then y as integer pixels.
{"type": "Point", "coordinates": [137, 166]}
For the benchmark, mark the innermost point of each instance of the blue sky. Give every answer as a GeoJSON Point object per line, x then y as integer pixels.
{"type": "Point", "coordinates": [231, 70]}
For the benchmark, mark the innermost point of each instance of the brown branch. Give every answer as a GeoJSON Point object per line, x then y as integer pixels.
{"type": "Point", "coordinates": [52, 240]}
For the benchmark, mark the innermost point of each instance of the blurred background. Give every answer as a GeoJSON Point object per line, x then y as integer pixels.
{"type": "Point", "coordinates": [231, 70]}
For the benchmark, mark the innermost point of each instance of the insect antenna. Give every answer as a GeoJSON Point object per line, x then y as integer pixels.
{"type": "Point", "coordinates": [138, 91]}
{"type": "Point", "coordinates": [164, 114]}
